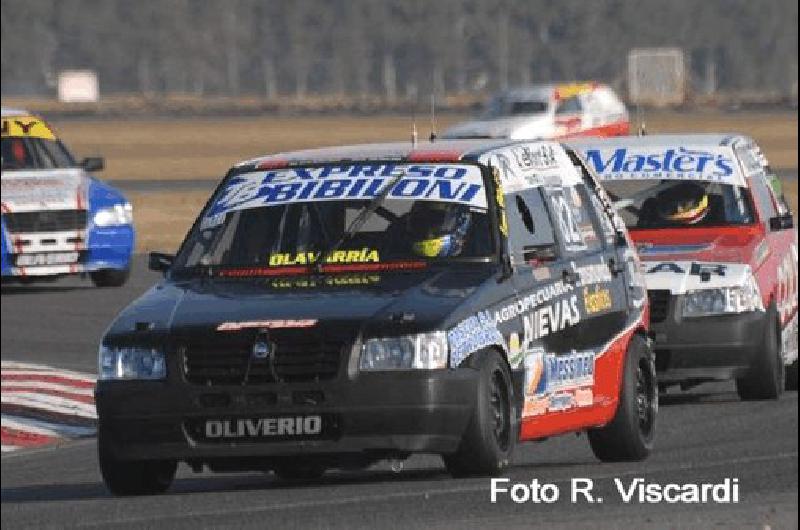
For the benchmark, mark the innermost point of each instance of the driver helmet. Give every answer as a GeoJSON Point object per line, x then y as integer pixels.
{"type": "Point", "coordinates": [686, 203]}
{"type": "Point", "coordinates": [438, 230]}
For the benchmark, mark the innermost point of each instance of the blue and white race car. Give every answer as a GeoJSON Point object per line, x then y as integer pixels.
{"type": "Point", "coordinates": [58, 219]}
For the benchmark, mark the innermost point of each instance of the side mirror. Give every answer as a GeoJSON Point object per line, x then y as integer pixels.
{"type": "Point", "coordinates": [535, 254]}
{"type": "Point", "coordinates": [781, 222]}
{"type": "Point", "coordinates": [160, 262]}
{"type": "Point", "coordinates": [93, 163]}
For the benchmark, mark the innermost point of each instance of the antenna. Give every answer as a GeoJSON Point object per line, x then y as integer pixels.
{"type": "Point", "coordinates": [413, 128]}
{"type": "Point", "coordinates": [640, 118]}
{"type": "Point", "coordinates": [433, 117]}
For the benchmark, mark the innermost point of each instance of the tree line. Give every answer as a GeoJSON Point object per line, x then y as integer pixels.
{"type": "Point", "coordinates": [389, 48]}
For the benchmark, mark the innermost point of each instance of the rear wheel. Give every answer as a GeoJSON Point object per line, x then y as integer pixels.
{"type": "Point", "coordinates": [488, 442]}
{"type": "Point", "coordinates": [110, 277]}
{"type": "Point", "coordinates": [791, 376]}
{"type": "Point", "coordinates": [765, 380]}
{"type": "Point", "coordinates": [629, 436]}
{"type": "Point", "coordinates": [134, 477]}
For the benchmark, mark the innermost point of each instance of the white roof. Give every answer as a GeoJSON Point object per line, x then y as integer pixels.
{"type": "Point", "coordinates": [8, 112]}
{"type": "Point", "coordinates": [657, 140]}
{"type": "Point", "coordinates": [701, 157]}
{"type": "Point", "coordinates": [526, 93]}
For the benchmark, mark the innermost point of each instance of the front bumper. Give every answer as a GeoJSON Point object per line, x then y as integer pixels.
{"type": "Point", "coordinates": [95, 248]}
{"type": "Point", "coordinates": [719, 347]}
{"type": "Point", "coordinates": [374, 413]}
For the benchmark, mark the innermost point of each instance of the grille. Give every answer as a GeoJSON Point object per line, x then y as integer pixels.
{"type": "Point", "coordinates": [659, 304]}
{"type": "Point", "coordinates": [296, 360]}
{"type": "Point", "coordinates": [45, 221]}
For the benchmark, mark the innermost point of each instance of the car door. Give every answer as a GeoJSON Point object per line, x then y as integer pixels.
{"type": "Point", "coordinates": [546, 303]}
{"type": "Point", "coordinates": [589, 270]}
{"type": "Point", "coordinates": [538, 270]}
{"type": "Point", "coordinates": [777, 273]}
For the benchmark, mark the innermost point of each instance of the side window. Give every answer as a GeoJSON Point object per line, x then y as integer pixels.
{"type": "Point", "coordinates": [606, 224]}
{"type": "Point", "coordinates": [569, 106]}
{"type": "Point", "coordinates": [43, 155]}
{"type": "Point", "coordinates": [17, 154]}
{"type": "Point", "coordinates": [529, 224]}
{"type": "Point", "coordinates": [598, 197]}
{"type": "Point", "coordinates": [776, 188]}
{"type": "Point", "coordinates": [573, 219]}
{"type": "Point", "coordinates": [763, 198]}
{"type": "Point", "coordinates": [59, 154]}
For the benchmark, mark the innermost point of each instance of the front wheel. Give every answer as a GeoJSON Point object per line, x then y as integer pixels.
{"type": "Point", "coordinates": [765, 379]}
{"type": "Point", "coordinates": [629, 436]}
{"type": "Point", "coordinates": [488, 443]}
{"type": "Point", "coordinates": [110, 277]}
{"type": "Point", "coordinates": [134, 477]}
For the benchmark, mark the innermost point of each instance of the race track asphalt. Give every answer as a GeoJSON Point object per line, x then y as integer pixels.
{"type": "Point", "coordinates": [60, 323]}
{"type": "Point", "coordinates": [705, 435]}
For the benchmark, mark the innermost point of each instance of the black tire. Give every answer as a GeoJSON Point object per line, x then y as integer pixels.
{"type": "Point", "coordinates": [134, 477]}
{"type": "Point", "coordinates": [791, 377]}
{"type": "Point", "coordinates": [110, 277]}
{"type": "Point", "coordinates": [299, 469]}
{"type": "Point", "coordinates": [488, 442]}
{"type": "Point", "coordinates": [765, 380]}
{"type": "Point", "coordinates": [630, 434]}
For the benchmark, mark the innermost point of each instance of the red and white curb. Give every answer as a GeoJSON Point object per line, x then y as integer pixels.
{"type": "Point", "coordinates": [42, 405]}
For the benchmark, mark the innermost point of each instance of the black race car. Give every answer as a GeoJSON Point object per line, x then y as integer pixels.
{"type": "Point", "coordinates": [336, 307]}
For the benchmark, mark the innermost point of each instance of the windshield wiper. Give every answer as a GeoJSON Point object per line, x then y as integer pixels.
{"type": "Point", "coordinates": [357, 223]}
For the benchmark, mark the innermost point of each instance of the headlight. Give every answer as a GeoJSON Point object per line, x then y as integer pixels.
{"type": "Point", "coordinates": [119, 214]}
{"type": "Point", "coordinates": [132, 362]}
{"type": "Point", "coordinates": [426, 351]}
{"type": "Point", "coordinates": [724, 300]}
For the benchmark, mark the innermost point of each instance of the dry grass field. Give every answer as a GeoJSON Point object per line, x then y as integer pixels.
{"type": "Point", "coordinates": [187, 148]}
{"type": "Point", "coordinates": [204, 148]}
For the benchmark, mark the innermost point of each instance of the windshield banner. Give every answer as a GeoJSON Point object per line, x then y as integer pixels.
{"type": "Point", "coordinates": [441, 182]}
{"type": "Point", "coordinates": [666, 163]}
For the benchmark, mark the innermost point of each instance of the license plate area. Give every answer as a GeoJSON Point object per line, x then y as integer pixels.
{"type": "Point", "coordinates": [263, 429]}
{"type": "Point", "coordinates": [47, 258]}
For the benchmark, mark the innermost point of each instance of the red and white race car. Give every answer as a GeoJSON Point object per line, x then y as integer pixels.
{"type": "Point", "coordinates": [720, 255]}
{"type": "Point", "coordinates": [549, 112]}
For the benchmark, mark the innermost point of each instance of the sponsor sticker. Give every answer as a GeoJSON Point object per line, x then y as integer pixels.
{"type": "Point", "coordinates": [272, 324]}
{"type": "Point", "coordinates": [666, 163]}
{"type": "Point", "coordinates": [263, 427]}
{"type": "Point", "coordinates": [364, 255]}
{"type": "Point", "coordinates": [472, 334]}
{"type": "Point", "coordinates": [596, 300]}
{"type": "Point", "coordinates": [442, 182]}
{"type": "Point", "coordinates": [315, 282]}
{"type": "Point", "coordinates": [557, 382]}
{"type": "Point", "coordinates": [25, 126]}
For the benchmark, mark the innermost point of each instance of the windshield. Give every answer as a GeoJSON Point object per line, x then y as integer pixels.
{"type": "Point", "coordinates": [648, 204]}
{"type": "Point", "coordinates": [293, 218]}
{"type": "Point", "coordinates": [504, 106]}
{"type": "Point", "coordinates": [34, 153]}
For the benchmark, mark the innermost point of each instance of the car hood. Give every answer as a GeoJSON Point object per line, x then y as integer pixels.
{"type": "Point", "coordinates": [55, 189]}
{"type": "Point", "coordinates": [689, 259]}
{"type": "Point", "coordinates": [420, 300]}
{"type": "Point", "coordinates": [522, 127]}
